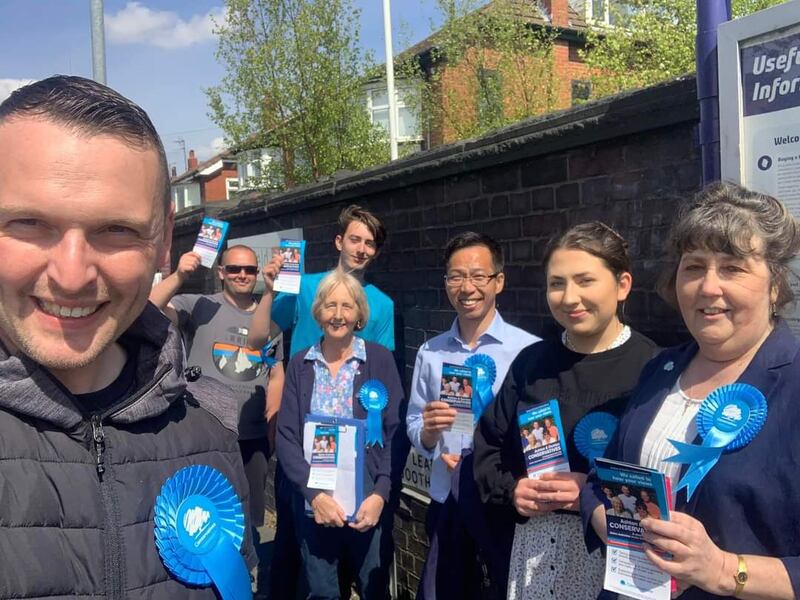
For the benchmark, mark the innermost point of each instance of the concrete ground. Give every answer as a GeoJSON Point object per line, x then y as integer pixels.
{"type": "Point", "coordinates": [264, 551]}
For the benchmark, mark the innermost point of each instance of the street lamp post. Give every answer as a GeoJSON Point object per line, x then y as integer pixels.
{"type": "Point", "coordinates": [387, 34]}
{"type": "Point", "coordinates": [98, 42]}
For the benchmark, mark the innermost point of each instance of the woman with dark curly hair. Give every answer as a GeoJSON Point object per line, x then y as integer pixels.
{"type": "Point", "coordinates": [740, 374]}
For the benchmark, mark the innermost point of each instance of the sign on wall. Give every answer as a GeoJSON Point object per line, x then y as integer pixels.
{"type": "Point", "coordinates": [759, 91]}
{"type": "Point", "coordinates": [417, 475]}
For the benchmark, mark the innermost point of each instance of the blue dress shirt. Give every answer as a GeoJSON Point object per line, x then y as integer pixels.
{"type": "Point", "coordinates": [501, 341]}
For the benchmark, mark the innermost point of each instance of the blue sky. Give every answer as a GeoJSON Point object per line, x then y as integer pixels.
{"type": "Point", "coordinates": [159, 53]}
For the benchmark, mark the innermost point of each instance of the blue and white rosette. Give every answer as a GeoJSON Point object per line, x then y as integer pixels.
{"type": "Point", "coordinates": [729, 419]}
{"type": "Point", "coordinates": [593, 432]}
{"type": "Point", "coordinates": [485, 375]}
{"type": "Point", "coordinates": [374, 397]}
{"type": "Point", "coordinates": [199, 530]}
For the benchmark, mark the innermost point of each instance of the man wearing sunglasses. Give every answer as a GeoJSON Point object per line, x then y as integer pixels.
{"type": "Point", "coordinates": [215, 329]}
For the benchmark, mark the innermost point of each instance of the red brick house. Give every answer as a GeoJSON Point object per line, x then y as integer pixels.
{"type": "Point", "coordinates": [568, 22]}
{"type": "Point", "coordinates": [212, 180]}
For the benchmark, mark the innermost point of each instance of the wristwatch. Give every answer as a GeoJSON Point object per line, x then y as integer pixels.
{"type": "Point", "coordinates": [741, 575]}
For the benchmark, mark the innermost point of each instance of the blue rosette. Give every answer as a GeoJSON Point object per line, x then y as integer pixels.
{"type": "Point", "coordinates": [593, 432]}
{"type": "Point", "coordinates": [729, 419]}
{"type": "Point", "coordinates": [714, 405]}
{"type": "Point", "coordinates": [374, 397]}
{"type": "Point", "coordinates": [265, 353]}
{"type": "Point", "coordinates": [485, 375]}
{"type": "Point", "coordinates": [199, 531]}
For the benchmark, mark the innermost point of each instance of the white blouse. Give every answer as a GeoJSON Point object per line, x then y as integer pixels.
{"type": "Point", "coordinates": [675, 420]}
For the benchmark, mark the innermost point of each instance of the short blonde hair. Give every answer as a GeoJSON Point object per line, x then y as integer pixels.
{"type": "Point", "coordinates": [329, 283]}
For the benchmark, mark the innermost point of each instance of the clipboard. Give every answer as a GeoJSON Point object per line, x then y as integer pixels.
{"type": "Point", "coordinates": [349, 492]}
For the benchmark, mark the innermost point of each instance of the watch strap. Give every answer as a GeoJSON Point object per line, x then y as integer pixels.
{"type": "Point", "coordinates": [741, 575]}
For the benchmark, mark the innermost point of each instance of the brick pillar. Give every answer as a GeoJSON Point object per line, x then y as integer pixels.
{"type": "Point", "coordinates": [558, 11]}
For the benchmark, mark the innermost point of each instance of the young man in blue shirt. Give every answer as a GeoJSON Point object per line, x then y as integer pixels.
{"type": "Point", "coordinates": [360, 237]}
{"type": "Point", "coordinates": [473, 279]}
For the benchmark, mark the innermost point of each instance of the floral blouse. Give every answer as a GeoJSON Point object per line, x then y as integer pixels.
{"type": "Point", "coordinates": [333, 396]}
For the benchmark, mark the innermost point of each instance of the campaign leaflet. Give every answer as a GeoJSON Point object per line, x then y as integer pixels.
{"type": "Point", "coordinates": [324, 455]}
{"type": "Point", "coordinates": [631, 493]}
{"type": "Point", "coordinates": [348, 444]}
{"type": "Point", "coordinates": [542, 435]}
{"type": "Point", "coordinates": [456, 390]}
{"type": "Point", "coordinates": [209, 240]}
{"type": "Point", "coordinates": [288, 279]}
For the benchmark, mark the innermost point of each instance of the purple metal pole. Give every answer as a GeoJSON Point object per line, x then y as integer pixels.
{"type": "Point", "coordinates": [710, 13]}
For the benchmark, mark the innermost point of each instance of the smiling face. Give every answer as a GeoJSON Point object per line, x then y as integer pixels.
{"type": "Point", "coordinates": [470, 301]}
{"type": "Point", "coordinates": [338, 314]}
{"type": "Point", "coordinates": [583, 294]}
{"type": "Point", "coordinates": [239, 283]}
{"type": "Point", "coordinates": [357, 247]}
{"type": "Point", "coordinates": [725, 301]}
{"type": "Point", "coordinates": [82, 229]}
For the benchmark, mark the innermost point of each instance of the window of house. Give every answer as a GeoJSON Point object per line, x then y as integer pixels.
{"type": "Point", "coordinates": [605, 12]}
{"type": "Point", "coordinates": [581, 91]}
{"type": "Point", "coordinates": [248, 169]}
{"type": "Point", "coordinates": [575, 52]}
{"type": "Point", "coordinates": [255, 168]}
{"type": "Point", "coordinates": [231, 185]}
{"type": "Point", "coordinates": [490, 97]}
{"type": "Point", "coordinates": [408, 128]}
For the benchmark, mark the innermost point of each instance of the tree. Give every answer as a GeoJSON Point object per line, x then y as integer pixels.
{"type": "Point", "coordinates": [656, 42]}
{"type": "Point", "coordinates": [488, 67]}
{"type": "Point", "coordinates": [294, 81]}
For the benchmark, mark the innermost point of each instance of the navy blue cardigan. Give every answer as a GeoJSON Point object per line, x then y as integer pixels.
{"type": "Point", "coordinates": [383, 465]}
{"type": "Point", "coordinates": [750, 501]}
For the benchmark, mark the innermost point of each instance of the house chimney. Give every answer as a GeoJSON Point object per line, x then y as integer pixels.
{"type": "Point", "coordinates": [558, 11]}
{"type": "Point", "coordinates": [174, 171]}
{"type": "Point", "coordinates": [191, 162]}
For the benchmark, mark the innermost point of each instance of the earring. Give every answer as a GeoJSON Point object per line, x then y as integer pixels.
{"type": "Point", "coordinates": [773, 310]}
{"type": "Point", "coordinates": [358, 325]}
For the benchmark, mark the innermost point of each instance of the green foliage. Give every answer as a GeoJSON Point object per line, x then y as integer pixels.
{"type": "Point", "coordinates": [657, 42]}
{"type": "Point", "coordinates": [490, 68]}
{"type": "Point", "coordinates": [294, 81]}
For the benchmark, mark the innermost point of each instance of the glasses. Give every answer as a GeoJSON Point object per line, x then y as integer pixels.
{"type": "Point", "coordinates": [236, 269]}
{"type": "Point", "coordinates": [479, 280]}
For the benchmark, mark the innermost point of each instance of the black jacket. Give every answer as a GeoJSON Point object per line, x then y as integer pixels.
{"type": "Point", "coordinates": [66, 529]}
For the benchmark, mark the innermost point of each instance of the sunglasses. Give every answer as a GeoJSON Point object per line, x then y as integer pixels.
{"type": "Point", "coordinates": [236, 269]}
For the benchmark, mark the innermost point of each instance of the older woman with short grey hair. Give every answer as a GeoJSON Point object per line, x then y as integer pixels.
{"type": "Point", "coordinates": [327, 380]}
{"type": "Point", "coordinates": [736, 533]}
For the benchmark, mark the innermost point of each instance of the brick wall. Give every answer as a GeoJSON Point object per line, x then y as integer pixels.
{"type": "Point", "coordinates": [627, 160]}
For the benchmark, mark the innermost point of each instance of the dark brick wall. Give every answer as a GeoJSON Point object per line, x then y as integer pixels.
{"type": "Point", "coordinates": [628, 161]}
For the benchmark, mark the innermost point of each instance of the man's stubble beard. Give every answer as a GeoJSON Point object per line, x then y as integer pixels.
{"type": "Point", "coordinates": [23, 344]}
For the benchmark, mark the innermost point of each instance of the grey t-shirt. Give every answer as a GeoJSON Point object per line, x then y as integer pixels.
{"type": "Point", "coordinates": [215, 334]}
